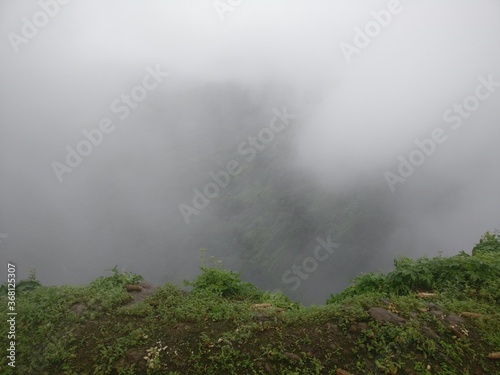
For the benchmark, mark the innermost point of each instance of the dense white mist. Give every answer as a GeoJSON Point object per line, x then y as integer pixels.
{"type": "Point", "coordinates": [354, 120]}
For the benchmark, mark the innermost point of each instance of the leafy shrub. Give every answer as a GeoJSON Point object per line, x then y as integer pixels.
{"type": "Point", "coordinates": [108, 292]}
{"type": "Point", "coordinates": [222, 282]}
{"type": "Point", "coordinates": [24, 285]}
{"type": "Point", "coordinates": [489, 243]}
{"type": "Point", "coordinates": [457, 273]}
{"type": "Point", "coordinates": [123, 278]}
{"type": "Point", "coordinates": [366, 283]}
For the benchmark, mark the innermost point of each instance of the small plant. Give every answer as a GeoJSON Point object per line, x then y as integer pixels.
{"type": "Point", "coordinates": [123, 278]}
{"type": "Point", "coordinates": [32, 275]}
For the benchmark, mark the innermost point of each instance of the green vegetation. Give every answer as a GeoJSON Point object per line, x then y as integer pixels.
{"type": "Point", "coordinates": [448, 306]}
{"type": "Point", "coordinates": [123, 278]}
{"type": "Point", "coordinates": [29, 284]}
{"type": "Point", "coordinates": [222, 282]}
{"type": "Point", "coordinates": [477, 275]}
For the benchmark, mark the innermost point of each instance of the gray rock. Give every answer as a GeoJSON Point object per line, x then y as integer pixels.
{"type": "Point", "coordinates": [438, 314]}
{"type": "Point", "coordinates": [432, 306]}
{"type": "Point", "coordinates": [382, 315]}
{"type": "Point", "coordinates": [357, 328]}
{"type": "Point", "coordinates": [430, 333]}
{"type": "Point", "coordinates": [454, 319]}
{"type": "Point", "coordinates": [134, 356]}
{"type": "Point", "coordinates": [291, 355]}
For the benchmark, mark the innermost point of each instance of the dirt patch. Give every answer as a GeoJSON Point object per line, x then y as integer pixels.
{"type": "Point", "coordinates": [78, 308]}
{"type": "Point", "coordinates": [141, 292]}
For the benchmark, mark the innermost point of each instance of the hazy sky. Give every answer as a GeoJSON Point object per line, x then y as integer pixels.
{"type": "Point", "coordinates": [362, 102]}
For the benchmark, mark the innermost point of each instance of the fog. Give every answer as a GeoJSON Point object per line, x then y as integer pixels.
{"type": "Point", "coordinates": [393, 137]}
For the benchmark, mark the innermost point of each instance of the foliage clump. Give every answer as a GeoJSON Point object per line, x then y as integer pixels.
{"type": "Point", "coordinates": [222, 282]}
{"type": "Point", "coordinates": [23, 285]}
{"type": "Point", "coordinates": [123, 278]}
{"type": "Point", "coordinates": [459, 273]}
{"type": "Point", "coordinates": [489, 244]}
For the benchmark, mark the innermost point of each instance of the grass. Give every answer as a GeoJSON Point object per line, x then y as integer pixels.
{"type": "Point", "coordinates": [224, 325]}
